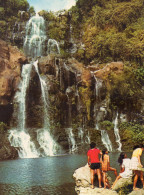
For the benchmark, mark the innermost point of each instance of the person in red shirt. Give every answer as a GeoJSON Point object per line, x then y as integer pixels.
{"type": "Point", "coordinates": [94, 163]}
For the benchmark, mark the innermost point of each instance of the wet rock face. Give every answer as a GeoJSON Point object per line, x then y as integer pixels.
{"type": "Point", "coordinates": [6, 150]}
{"type": "Point", "coordinates": [11, 61]}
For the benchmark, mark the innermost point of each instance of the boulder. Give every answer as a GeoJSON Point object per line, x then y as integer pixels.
{"type": "Point", "coordinates": [83, 183]}
{"type": "Point", "coordinates": [122, 182]}
{"type": "Point", "coordinates": [82, 176]}
{"type": "Point", "coordinates": [95, 191]}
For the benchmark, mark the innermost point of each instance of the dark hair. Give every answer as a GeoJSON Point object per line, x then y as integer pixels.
{"type": "Point", "coordinates": [141, 146]}
{"type": "Point", "coordinates": [103, 153]}
{"type": "Point", "coordinates": [121, 157]}
{"type": "Point", "coordinates": [135, 147]}
{"type": "Point", "coordinates": [92, 145]}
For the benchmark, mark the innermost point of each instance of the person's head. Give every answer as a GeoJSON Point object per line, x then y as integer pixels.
{"type": "Point", "coordinates": [142, 146]}
{"type": "Point", "coordinates": [135, 147]}
{"type": "Point", "coordinates": [105, 151]}
{"type": "Point", "coordinates": [92, 145]}
{"type": "Point", "coordinates": [121, 157]}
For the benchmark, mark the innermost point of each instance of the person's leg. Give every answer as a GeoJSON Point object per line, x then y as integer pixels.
{"type": "Point", "coordinates": [113, 169]}
{"type": "Point", "coordinates": [141, 177]}
{"type": "Point", "coordinates": [135, 179]}
{"type": "Point", "coordinates": [104, 179]}
{"type": "Point", "coordinates": [117, 178]}
{"type": "Point", "coordinates": [99, 177]}
{"type": "Point", "coordinates": [107, 182]}
{"type": "Point", "coordinates": [92, 172]}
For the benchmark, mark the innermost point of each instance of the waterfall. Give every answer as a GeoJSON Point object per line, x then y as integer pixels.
{"type": "Point", "coordinates": [34, 44]}
{"type": "Point", "coordinates": [81, 134]}
{"type": "Point", "coordinates": [105, 140]}
{"type": "Point", "coordinates": [71, 140]}
{"type": "Point", "coordinates": [19, 137]}
{"type": "Point", "coordinates": [98, 86]}
{"type": "Point", "coordinates": [53, 46]}
{"type": "Point", "coordinates": [44, 137]}
{"type": "Point", "coordinates": [116, 132]}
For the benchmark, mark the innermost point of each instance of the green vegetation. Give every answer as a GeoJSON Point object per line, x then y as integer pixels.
{"type": "Point", "coordinates": [12, 11]}
{"type": "Point", "coordinates": [85, 95]}
{"type": "Point", "coordinates": [132, 133]}
{"type": "Point", "coordinates": [107, 125]}
{"type": "Point", "coordinates": [110, 29]}
{"type": "Point", "coordinates": [3, 127]}
{"type": "Point", "coordinates": [125, 88]}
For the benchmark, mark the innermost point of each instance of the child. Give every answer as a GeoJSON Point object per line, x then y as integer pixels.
{"type": "Point", "coordinates": [106, 167]}
{"type": "Point", "coordinates": [125, 171]}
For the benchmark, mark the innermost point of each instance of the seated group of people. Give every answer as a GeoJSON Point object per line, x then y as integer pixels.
{"type": "Point", "coordinates": [127, 166]}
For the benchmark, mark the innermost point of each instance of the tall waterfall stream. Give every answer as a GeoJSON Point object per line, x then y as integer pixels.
{"type": "Point", "coordinates": [45, 143]}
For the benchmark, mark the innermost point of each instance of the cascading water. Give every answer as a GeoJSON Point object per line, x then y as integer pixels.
{"type": "Point", "coordinates": [53, 46]}
{"type": "Point", "coordinates": [44, 137]}
{"type": "Point", "coordinates": [34, 46]}
{"type": "Point", "coordinates": [98, 85]}
{"type": "Point", "coordinates": [35, 37]}
{"type": "Point", "coordinates": [105, 140]}
{"type": "Point", "coordinates": [99, 115]}
{"type": "Point", "coordinates": [116, 132]}
{"type": "Point", "coordinates": [19, 137]}
{"type": "Point", "coordinates": [71, 139]}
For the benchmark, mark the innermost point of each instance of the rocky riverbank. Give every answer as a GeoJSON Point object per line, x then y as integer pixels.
{"type": "Point", "coordinates": [83, 185]}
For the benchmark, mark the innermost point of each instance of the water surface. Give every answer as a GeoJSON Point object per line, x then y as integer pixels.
{"type": "Point", "coordinates": [44, 176]}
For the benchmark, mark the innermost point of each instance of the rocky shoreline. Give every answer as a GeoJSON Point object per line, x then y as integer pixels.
{"type": "Point", "coordinates": [83, 184]}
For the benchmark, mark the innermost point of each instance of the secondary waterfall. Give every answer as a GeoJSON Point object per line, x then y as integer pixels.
{"type": "Point", "coordinates": [34, 44]}
{"type": "Point", "coordinates": [105, 140]}
{"type": "Point", "coordinates": [71, 139]}
{"type": "Point", "coordinates": [20, 137]}
{"type": "Point", "coordinates": [44, 137]}
{"type": "Point", "coordinates": [53, 46]}
{"type": "Point", "coordinates": [116, 132]}
{"type": "Point", "coordinates": [98, 85]}
{"type": "Point", "coordinates": [99, 115]}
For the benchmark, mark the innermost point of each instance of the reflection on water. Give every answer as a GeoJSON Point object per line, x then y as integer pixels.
{"type": "Point", "coordinates": [44, 176]}
{"type": "Point", "coordinates": [51, 175]}
{"type": "Point", "coordinates": [14, 189]}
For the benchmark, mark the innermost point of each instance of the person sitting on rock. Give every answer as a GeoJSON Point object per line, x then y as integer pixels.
{"type": "Point", "coordinates": [125, 171]}
{"type": "Point", "coordinates": [136, 165]}
{"type": "Point", "coordinates": [94, 163]}
{"type": "Point", "coordinates": [105, 167]}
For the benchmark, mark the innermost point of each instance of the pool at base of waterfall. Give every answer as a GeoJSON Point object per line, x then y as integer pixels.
{"type": "Point", "coordinates": [44, 176]}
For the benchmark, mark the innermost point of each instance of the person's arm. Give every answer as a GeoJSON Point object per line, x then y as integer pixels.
{"type": "Point", "coordinates": [89, 163]}
{"type": "Point", "coordinates": [139, 161]}
{"type": "Point", "coordinates": [108, 160]}
{"type": "Point", "coordinates": [122, 169]}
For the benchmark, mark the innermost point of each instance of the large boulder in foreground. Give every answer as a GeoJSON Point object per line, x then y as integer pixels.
{"type": "Point", "coordinates": [123, 182]}
{"type": "Point", "coordinates": [83, 185]}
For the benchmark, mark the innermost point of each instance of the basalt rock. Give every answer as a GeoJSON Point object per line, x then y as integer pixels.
{"type": "Point", "coordinates": [11, 61]}
{"type": "Point", "coordinates": [6, 150]}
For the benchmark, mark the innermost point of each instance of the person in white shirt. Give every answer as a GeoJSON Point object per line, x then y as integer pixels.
{"type": "Point", "coordinates": [125, 172]}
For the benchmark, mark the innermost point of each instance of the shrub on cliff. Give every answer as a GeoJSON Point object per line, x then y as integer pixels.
{"type": "Point", "coordinates": [106, 125]}
{"type": "Point", "coordinates": [131, 133]}
{"type": "Point", "coordinates": [3, 127]}
{"type": "Point", "coordinates": [124, 89]}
